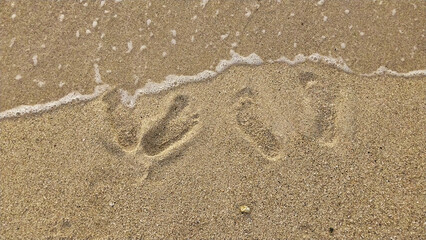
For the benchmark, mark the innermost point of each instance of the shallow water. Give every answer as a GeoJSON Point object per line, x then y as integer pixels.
{"type": "Point", "coordinates": [50, 50]}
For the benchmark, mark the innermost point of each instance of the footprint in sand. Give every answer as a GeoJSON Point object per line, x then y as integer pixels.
{"type": "Point", "coordinates": [256, 131]}
{"type": "Point", "coordinates": [174, 127]}
{"type": "Point", "coordinates": [128, 137]}
{"type": "Point", "coordinates": [322, 97]}
{"type": "Point", "coordinates": [121, 119]}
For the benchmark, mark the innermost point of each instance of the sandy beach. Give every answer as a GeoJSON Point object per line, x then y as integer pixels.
{"type": "Point", "coordinates": [192, 137]}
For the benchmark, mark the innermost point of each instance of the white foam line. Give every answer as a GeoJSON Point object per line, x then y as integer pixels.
{"type": "Point", "coordinates": [172, 81]}
{"type": "Point", "coordinates": [73, 96]}
{"type": "Point", "coordinates": [237, 59]}
{"type": "Point", "coordinates": [386, 71]}
{"type": "Point", "coordinates": [340, 64]}
{"type": "Point", "coordinates": [316, 57]}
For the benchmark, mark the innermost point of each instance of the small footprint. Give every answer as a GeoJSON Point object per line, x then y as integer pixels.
{"type": "Point", "coordinates": [306, 77]}
{"type": "Point", "coordinates": [120, 118]}
{"type": "Point", "coordinates": [254, 128]}
{"type": "Point", "coordinates": [172, 128]}
{"type": "Point", "coordinates": [128, 138]}
{"type": "Point", "coordinates": [322, 97]}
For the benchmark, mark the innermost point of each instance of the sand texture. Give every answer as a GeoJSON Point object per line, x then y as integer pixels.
{"type": "Point", "coordinates": [272, 151]}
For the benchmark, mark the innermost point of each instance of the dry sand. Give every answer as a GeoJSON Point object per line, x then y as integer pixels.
{"type": "Point", "coordinates": [314, 152]}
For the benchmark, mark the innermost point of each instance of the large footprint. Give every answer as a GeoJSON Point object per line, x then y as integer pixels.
{"type": "Point", "coordinates": [169, 132]}
{"type": "Point", "coordinates": [256, 131]}
{"type": "Point", "coordinates": [170, 129]}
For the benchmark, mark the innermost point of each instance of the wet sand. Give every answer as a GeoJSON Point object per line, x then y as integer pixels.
{"type": "Point", "coordinates": [69, 37]}
{"type": "Point", "coordinates": [313, 152]}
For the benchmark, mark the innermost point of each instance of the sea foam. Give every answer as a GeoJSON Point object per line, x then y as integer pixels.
{"type": "Point", "coordinates": [172, 81]}
{"type": "Point", "coordinates": [71, 97]}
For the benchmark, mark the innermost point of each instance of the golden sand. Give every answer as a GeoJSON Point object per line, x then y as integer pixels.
{"type": "Point", "coordinates": [308, 149]}
{"type": "Point", "coordinates": [258, 152]}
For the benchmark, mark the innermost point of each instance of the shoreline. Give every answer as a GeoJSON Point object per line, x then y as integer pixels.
{"type": "Point", "coordinates": [172, 81]}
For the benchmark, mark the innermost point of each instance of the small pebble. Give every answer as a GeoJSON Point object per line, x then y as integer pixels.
{"type": "Point", "coordinates": [245, 209]}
